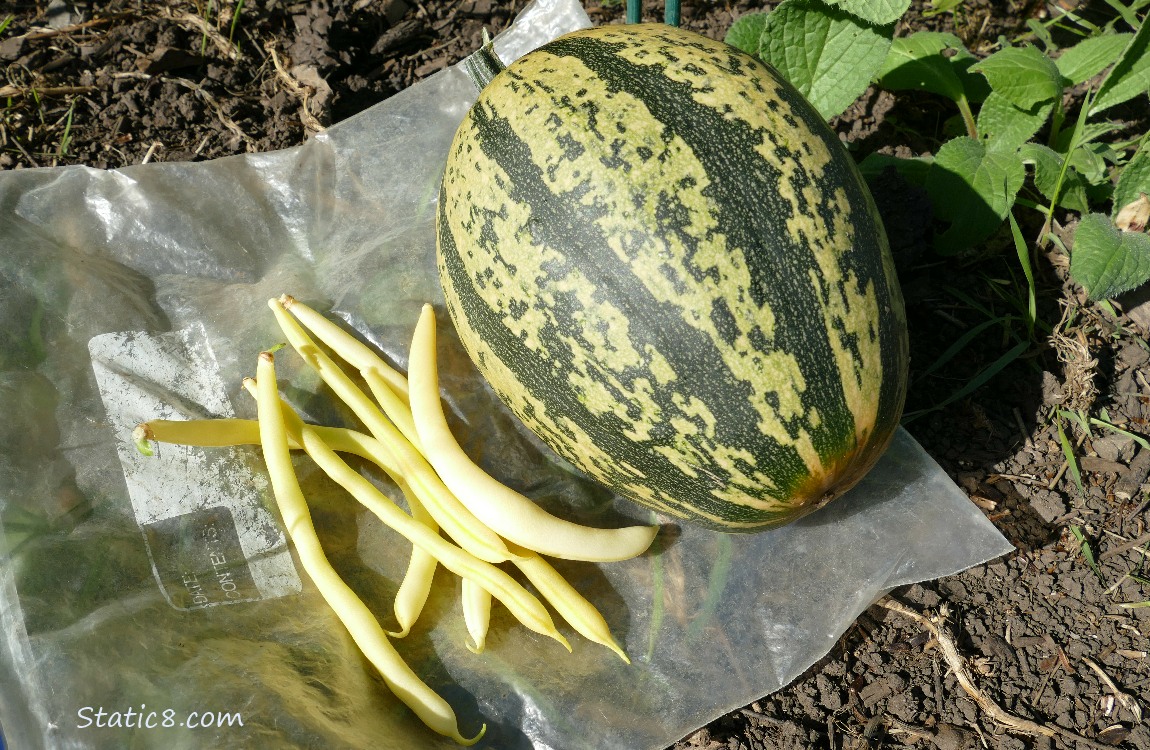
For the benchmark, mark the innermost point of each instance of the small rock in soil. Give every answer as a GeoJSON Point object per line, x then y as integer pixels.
{"type": "Point", "coordinates": [402, 34]}
{"type": "Point", "coordinates": [11, 48]}
{"type": "Point", "coordinates": [950, 737]}
{"type": "Point", "coordinates": [1114, 447]}
{"type": "Point", "coordinates": [1132, 355]}
{"type": "Point", "coordinates": [1047, 504]}
{"type": "Point", "coordinates": [394, 10]}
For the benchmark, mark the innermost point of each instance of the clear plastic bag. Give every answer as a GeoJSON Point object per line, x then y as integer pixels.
{"type": "Point", "coordinates": [142, 292]}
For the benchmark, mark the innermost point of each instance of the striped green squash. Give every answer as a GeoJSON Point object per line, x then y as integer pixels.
{"type": "Point", "coordinates": [664, 262]}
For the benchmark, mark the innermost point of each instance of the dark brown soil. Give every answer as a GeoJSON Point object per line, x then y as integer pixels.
{"type": "Point", "coordinates": [1042, 634]}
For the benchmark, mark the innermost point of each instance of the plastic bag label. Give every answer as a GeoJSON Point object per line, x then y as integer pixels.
{"type": "Point", "coordinates": [203, 511]}
{"type": "Point", "coordinates": [199, 560]}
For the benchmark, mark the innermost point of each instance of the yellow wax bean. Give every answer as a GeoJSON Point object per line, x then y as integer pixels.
{"type": "Point", "coordinates": [476, 614]}
{"type": "Point", "coordinates": [209, 433]}
{"type": "Point", "coordinates": [387, 385]}
{"type": "Point", "coordinates": [348, 347]}
{"type": "Point", "coordinates": [396, 409]}
{"type": "Point", "coordinates": [451, 515]}
{"type": "Point", "coordinates": [510, 514]}
{"type": "Point", "coordinates": [221, 433]}
{"type": "Point", "coordinates": [579, 613]}
{"type": "Point", "coordinates": [526, 607]}
{"type": "Point", "coordinates": [435, 712]}
{"type": "Point", "coordinates": [416, 586]}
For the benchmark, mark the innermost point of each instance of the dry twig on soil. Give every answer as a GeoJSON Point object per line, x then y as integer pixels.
{"type": "Point", "coordinates": [297, 89]}
{"type": "Point", "coordinates": [957, 663]}
{"type": "Point", "coordinates": [199, 25]}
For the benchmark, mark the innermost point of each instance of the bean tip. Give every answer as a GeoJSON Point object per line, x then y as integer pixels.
{"type": "Point", "coordinates": [622, 654]}
{"type": "Point", "coordinates": [469, 742]}
{"type": "Point", "coordinates": [286, 300]}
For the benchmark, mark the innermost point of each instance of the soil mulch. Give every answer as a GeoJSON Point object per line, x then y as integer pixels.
{"type": "Point", "coordinates": [1033, 650]}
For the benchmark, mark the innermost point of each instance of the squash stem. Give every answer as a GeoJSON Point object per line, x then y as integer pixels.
{"type": "Point", "coordinates": [483, 65]}
{"type": "Point", "coordinates": [634, 11]}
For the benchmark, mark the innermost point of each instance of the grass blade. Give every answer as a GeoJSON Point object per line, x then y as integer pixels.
{"type": "Point", "coordinates": [1023, 251]}
{"type": "Point", "coordinates": [1068, 452]}
{"type": "Point", "coordinates": [1087, 552]}
{"type": "Point", "coordinates": [1136, 438]}
{"type": "Point", "coordinates": [975, 383]}
{"type": "Point", "coordinates": [961, 343]}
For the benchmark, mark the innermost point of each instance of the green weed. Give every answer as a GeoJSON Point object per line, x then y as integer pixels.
{"type": "Point", "coordinates": [1015, 147]}
{"type": "Point", "coordinates": [1087, 551]}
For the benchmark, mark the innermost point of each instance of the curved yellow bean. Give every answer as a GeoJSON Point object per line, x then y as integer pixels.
{"type": "Point", "coordinates": [510, 514]}
{"type": "Point", "coordinates": [396, 409]}
{"type": "Point", "coordinates": [526, 607]}
{"type": "Point", "coordinates": [413, 591]}
{"type": "Point", "coordinates": [435, 712]}
{"type": "Point", "coordinates": [387, 384]}
{"type": "Point", "coordinates": [476, 614]}
{"type": "Point", "coordinates": [416, 585]}
{"type": "Point", "coordinates": [452, 516]}
{"type": "Point", "coordinates": [579, 613]}
{"type": "Point", "coordinates": [348, 347]}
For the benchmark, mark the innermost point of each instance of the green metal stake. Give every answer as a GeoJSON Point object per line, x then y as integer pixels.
{"type": "Point", "coordinates": [671, 13]}
{"type": "Point", "coordinates": [634, 11]}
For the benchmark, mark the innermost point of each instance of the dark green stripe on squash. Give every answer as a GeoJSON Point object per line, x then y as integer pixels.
{"type": "Point", "coordinates": [602, 176]}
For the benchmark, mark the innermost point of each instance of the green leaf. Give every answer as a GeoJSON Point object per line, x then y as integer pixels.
{"type": "Point", "coordinates": [1130, 76]}
{"type": "Point", "coordinates": [1088, 160]}
{"type": "Point", "coordinates": [1047, 165]}
{"type": "Point", "coordinates": [1106, 261]}
{"type": "Point", "coordinates": [878, 12]}
{"type": "Point", "coordinates": [972, 187]}
{"type": "Point", "coordinates": [1008, 126]}
{"type": "Point", "coordinates": [826, 53]}
{"type": "Point", "coordinates": [961, 343]}
{"type": "Point", "coordinates": [1042, 34]}
{"type": "Point", "coordinates": [1133, 180]}
{"type": "Point", "coordinates": [746, 32]}
{"type": "Point", "coordinates": [1023, 75]}
{"type": "Point", "coordinates": [918, 62]}
{"type": "Point", "coordinates": [1091, 131]}
{"type": "Point", "coordinates": [1091, 56]}
{"type": "Point", "coordinates": [1136, 438]}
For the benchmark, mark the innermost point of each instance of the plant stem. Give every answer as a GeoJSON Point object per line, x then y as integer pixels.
{"type": "Point", "coordinates": [483, 65]}
{"type": "Point", "coordinates": [967, 116]}
{"type": "Point", "coordinates": [1056, 121]}
{"type": "Point", "coordinates": [634, 11]}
